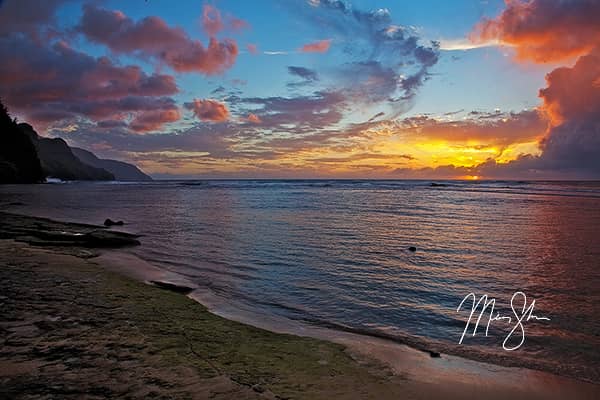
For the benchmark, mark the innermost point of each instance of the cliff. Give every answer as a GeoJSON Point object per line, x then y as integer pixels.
{"type": "Point", "coordinates": [121, 170]}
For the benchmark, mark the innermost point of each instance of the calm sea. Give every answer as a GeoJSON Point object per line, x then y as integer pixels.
{"type": "Point", "coordinates": [335, 253]}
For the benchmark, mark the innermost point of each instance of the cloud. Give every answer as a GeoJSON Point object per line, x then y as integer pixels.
{"type": "Point", "coordinates": [386, 63]}
{"type": "Point", "coordinates": [552, 31]}
{"type": "Point", "coordinates": [304, 73]}
{"type": "Point", "coordinates": [544, 30]}
{"type": "Point", "coordinates": [374, 117]}
{"type": "Point", "coordinates": [51, 82]}
{"type": "Point", "coordinates": [153, 120]}
{"type": "Point", "coordinates": [210, 138]}
{"type": "Point", "coordinates": [573, 93]}
{"type": "Point", "coordinates": [371, 82]}
{"type": "Point", "coordinates": [252, 48]}
{"type": "Point", "coordinates": [572, 100]}
{"type": "Point", "coordinates": [152, 38]}
{"type": "Point", "coordinates": [362, 157]}
{"type": "Point", "coordinates": [30, 17]}
{"type": "Point", "coordinates": [298, 114]}
{"type": "Point", "coordinates": [237, 24]}
{"type": "Point", "coordinates": [504, 129]}
{"type": "Point", "coordinates": [211, 20]}
{"type": "Point", "coordinates": [253, 118]}
{"type": "Point", "coordinates": [307, 77]}
{"type": "Point", "coordinates": [209, 110]}
{"type": "Point", "coordinates": [467, 44]}
{"type": "Point", "coordinates": [276, 53]}
{"type": "Point", "coordinates": [321, 46]}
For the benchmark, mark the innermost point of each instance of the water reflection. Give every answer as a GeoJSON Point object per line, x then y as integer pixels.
{"type": "Point", "coordinates": [336, 252]}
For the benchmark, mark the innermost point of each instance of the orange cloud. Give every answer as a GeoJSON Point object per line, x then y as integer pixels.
{"type": "Point", "coordinates": [549, 31]}
{"type": "Point", "coordinates": [573, 93]}
{"type": "Point", "coordinates": [544, 31]}
{"type": "Point", "coordinates": [209, 110]}
{"type": "Point", "coordinates": [253, 118]}
{"type": "Point", "coordinates": [321, 46]}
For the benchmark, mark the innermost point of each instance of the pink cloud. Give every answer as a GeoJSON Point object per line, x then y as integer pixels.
{"type": "Point", "coordinates": [31, 17]}
{"type": "Point", "coordinates": [151, 37]}
{"type": "Point", "coordinates": [154, 119]}
{"type": "Point", "coordinates": [236, 24]}
{"type": "Point", "coordinates": [209, 110]}
{"type": "Point", "coordinates": [252, 48]}
{"type": "Point", "coordinates": [321, 46]}
{"type": "Point", "coordinates": [48, 84]}
{"type": "Point", "coordinates": [211, 20]}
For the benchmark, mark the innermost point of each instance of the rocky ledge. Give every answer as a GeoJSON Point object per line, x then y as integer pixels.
{"type": "Point", "coordinates": [46, 232]}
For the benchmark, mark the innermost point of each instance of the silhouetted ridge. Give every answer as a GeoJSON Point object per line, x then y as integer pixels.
{"type": "Point", "coordinates": [26, 157]}
{"type": "Point", "coordinates": [58, 161]}
{"type": "Point", "coordinates": [19, 162]}
{"type": "Point", "coordinates": [121, 170]}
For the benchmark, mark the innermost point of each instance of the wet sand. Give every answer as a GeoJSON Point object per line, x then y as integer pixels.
{"type": "Point", "coordinates": [73, 325]}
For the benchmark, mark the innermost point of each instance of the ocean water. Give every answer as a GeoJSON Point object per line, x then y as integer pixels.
{"type": "Point", "coordinates": [335, 253]}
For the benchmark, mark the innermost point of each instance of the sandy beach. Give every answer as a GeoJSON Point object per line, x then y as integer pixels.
{"type": "Point", "coordinates": [73, 326]}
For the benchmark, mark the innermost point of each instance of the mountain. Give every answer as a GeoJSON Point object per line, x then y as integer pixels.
{"type": "Point", "coordinates": [19, 162]}
{"type": "Point", "coordinates": [26, 157]}
{"type": "Point", "coordinates": [58, 161]}
{"type": "Point", "coordinates": [121, 170]}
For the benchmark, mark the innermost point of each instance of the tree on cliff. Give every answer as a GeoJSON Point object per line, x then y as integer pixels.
{"type": "Point", "coordinates": [19, 162]}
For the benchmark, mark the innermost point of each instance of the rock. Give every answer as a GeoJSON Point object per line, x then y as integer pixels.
{"type": "Point", "coordinates": [174, 287]}
{"type": "Point", "coordinates": [258, 388]}
{"type": "Point", "coordinates": [110, 222]}
{"type": "Point", "coordinates": [412, 248]}
{"type": "Point", "coordinates": [433, 184]}
{"type": "Point", "coordinates": [45, 232]}
{"type": "Point", "coordinates": [102, 238]}
{"type": "Point", "coordinates": [434, 354]}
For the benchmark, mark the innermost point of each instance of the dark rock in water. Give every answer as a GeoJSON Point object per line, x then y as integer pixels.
{"type": "Point", "coordinates": [110, 222]}
{"type": "Point", "coordinates": [433, 184]}
{"type": "Point", "coordinates": [412, 248]}
{"type": "Point", "coordinates": [174, 287]}
{"type": "Point", "coordinates": [434, 354]}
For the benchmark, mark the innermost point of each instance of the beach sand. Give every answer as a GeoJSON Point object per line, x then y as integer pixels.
{"type": "Point", "coordinates": [73, 325]}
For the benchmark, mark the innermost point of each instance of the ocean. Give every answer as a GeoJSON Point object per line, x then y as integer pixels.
{"type": "Point", "coordinates": [335, 253]}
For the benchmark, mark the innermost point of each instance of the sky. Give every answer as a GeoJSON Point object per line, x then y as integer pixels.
{"type": "Point", "coordinates": [468, 89]}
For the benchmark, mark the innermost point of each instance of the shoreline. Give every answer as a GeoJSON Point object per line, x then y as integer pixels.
{"type": "Point", "coordinates": [412, 370]}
